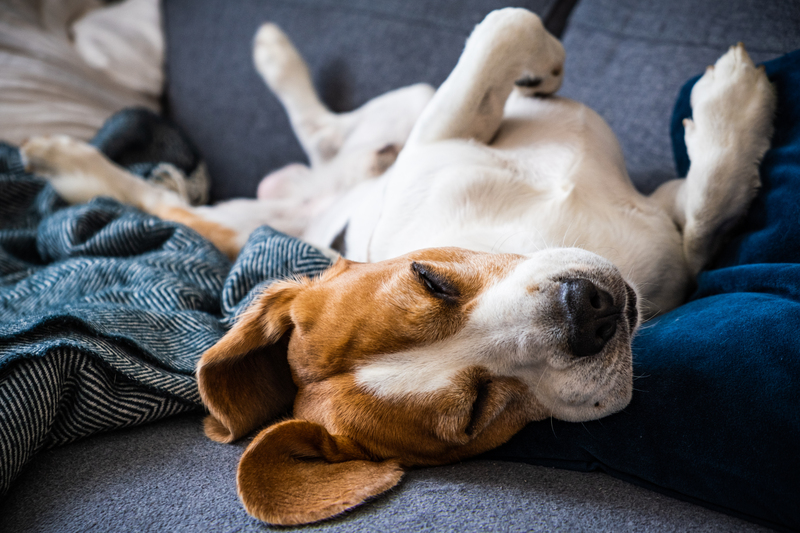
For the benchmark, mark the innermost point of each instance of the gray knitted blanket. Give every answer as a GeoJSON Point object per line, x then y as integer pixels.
{"type": "Point", "coordinates": [104, 312]}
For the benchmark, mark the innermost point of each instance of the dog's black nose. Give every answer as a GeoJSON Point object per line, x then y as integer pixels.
{"type": "Point", "coordinates": [591, 316]}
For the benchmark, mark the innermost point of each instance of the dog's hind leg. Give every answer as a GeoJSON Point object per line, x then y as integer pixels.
{"type": "Point", "coordinates": [351, 146]}
{"type": "Point", "coordinates": [509, 48]}
{"type": "Point", "coordinates": [80, 172]}
{"type": "Point", "coordinates": [733, 105]}
{"type": "Point", "coordinates": [284, 71]}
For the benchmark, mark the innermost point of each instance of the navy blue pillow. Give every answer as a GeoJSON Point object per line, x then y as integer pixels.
{"type": "Point", "coordinates": [715, 416]}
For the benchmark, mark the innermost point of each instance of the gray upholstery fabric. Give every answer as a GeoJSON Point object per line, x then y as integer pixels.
{"type": "Point", "coordinates": [357, 49]}
{"type": "Point", "coordinates": [169, 477]}
{"type": "Point", "coordinates": [627, 59]}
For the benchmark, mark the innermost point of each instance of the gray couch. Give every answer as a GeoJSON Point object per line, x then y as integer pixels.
{"type": "Point", "coordinates": [626, 59]}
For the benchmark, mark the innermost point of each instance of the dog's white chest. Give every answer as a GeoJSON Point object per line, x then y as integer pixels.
{"type": "Point", "coordinates": [553, 177]}
{"type": "Point", "coordinates": [468, 195]}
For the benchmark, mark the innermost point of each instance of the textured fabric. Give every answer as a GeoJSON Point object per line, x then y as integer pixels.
{"type": "Point", "coordinates": [714, 418]}
{"type": "Point", "coordinates": [170, 477]}
{"type": "Point", "coordinates": [46, 85]}
{"type": "Point", "coordinates": [356, 50]}
{"type": "Point", "coordinates": [104, 312]}
{"type": "Point", "coordinates": [627, 59]}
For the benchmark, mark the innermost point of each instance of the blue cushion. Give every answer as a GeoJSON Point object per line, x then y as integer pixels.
{"type": "Point", "coordinates": [715, 418]}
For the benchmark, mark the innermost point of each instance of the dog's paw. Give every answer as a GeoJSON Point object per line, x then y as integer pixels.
{"type": "Point", "coordinates": [54, 155]}
{"type": "Point", "coordinates": [523, 34]}
{"type": "Point", "coordinates": [276, 58]}
{"type": "Point", "coordinates": [74, 168]}
{"type": "Point", "coordinates": [733, 102]}
{"type": "Point", "coordinates": [543, 75]}
{"type": "Point", "coordinates": [733, 105]}
{"type": "Point", "coordinates": [530, 85]}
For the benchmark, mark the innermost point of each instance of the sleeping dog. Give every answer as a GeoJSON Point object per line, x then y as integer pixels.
{"type": "Point", "coordinates": [498, 262]}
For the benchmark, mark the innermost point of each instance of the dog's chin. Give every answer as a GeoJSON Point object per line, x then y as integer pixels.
{"type": "Point", "coordinates": [598, 407]}
{"type": "Point", "coordinates": [591, 387]}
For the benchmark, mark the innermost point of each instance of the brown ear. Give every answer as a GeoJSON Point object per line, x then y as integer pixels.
{"type": "Point", "coordinates": [244, 379]}
{"type": "Point", "coordinates": [476, 401]}
{"type": "Point", "coordinates": [295, 472]}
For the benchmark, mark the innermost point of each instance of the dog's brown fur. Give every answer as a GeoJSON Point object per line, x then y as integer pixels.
{"type": "Point", "coordinates": [345, 444]}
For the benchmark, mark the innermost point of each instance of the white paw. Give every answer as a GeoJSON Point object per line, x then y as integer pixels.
{"type": "Point", "coordinates": [733, 105]}
{"type": "Point", "coordinates": [542, 55]}
{"type": "Point", "coordinates": [74, 168]}
{"type": "Point", "coordinates": [58, 154]}
{"type": "Point", "coordinates": [275, 57]}
{"type": "Point", "coordinates": [544, 75]}
{"type": "Point", "coordinates": [733, 102]}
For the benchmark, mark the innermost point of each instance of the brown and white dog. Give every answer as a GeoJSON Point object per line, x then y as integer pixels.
{"type": "Point", "coordinates": [504, 259]}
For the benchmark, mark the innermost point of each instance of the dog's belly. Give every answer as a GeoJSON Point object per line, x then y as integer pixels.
{"type": "Point", "coordinates": [553, 177]}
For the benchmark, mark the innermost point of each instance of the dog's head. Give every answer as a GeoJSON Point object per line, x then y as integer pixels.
{"type": "Point", "coordinates": [424, 359]}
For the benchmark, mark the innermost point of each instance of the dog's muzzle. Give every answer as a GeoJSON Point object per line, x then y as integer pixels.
{"type": "Point", "coordinates": [591, 314]}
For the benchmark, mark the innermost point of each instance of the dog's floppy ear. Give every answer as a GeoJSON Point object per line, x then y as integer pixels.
{"type": "Point", "coordinates": [295, 472]}
{"type": "Point", "coordinates": [244, 379]}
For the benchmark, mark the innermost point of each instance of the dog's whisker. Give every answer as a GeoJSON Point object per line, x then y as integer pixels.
{"type": "Point", "coordinates": [564, 238]}
{"type": "Point", "coordinates": [498, 245]}
{"type": "Point", "coordinates": [536, 390]}
{"type": "Point", "coordinates": [542, 240]}
{"type": "Point", "coordinates": [630, 272]}
{"type": "Point", "coordinates": [533, 242]}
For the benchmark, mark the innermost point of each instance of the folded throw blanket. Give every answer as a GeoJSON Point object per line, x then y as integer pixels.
{"type": "Point", "coordinates": [104, 311]}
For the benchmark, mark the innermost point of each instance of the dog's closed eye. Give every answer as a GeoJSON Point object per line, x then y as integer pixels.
{"type": "Point", "coordinates": [436, 284]}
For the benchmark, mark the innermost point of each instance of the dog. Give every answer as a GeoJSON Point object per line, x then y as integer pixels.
{"type": "Point", "coordinates": [497, 263]}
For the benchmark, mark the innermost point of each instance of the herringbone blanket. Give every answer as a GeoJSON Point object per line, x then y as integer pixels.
{"type": "Point", "coordinates": [104, 312]}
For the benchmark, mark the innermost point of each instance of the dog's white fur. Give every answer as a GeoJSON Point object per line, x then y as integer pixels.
{"type": "Point", "coordinates": [488, 168]}
{"type": "Point", "coordinates": [484, 165]}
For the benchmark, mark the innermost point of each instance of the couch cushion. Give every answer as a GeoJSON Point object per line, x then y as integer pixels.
{"type": "Point", "coordinates": [714, 418]}
{"type": "Point", "coordinates": [626, 60]}
{"type": "Point", "coordinates": [356, 49]}
{"type": "Point", "coordinates": [170, 477]}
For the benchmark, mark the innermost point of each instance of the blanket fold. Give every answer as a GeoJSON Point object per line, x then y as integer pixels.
{"type": "Point", "coordinates": [105, 310]}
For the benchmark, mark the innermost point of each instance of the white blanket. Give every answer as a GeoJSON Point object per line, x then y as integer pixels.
{"type": "Point", "coordinates": [67, 65]}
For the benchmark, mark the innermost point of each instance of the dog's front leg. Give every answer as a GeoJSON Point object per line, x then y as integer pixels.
{"type": "Point", "coordinates": [733, 105]}
{"type": "Point", "coordinates": [510, 47]}
{"type": "Point", "coordinates": [79, 172]}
